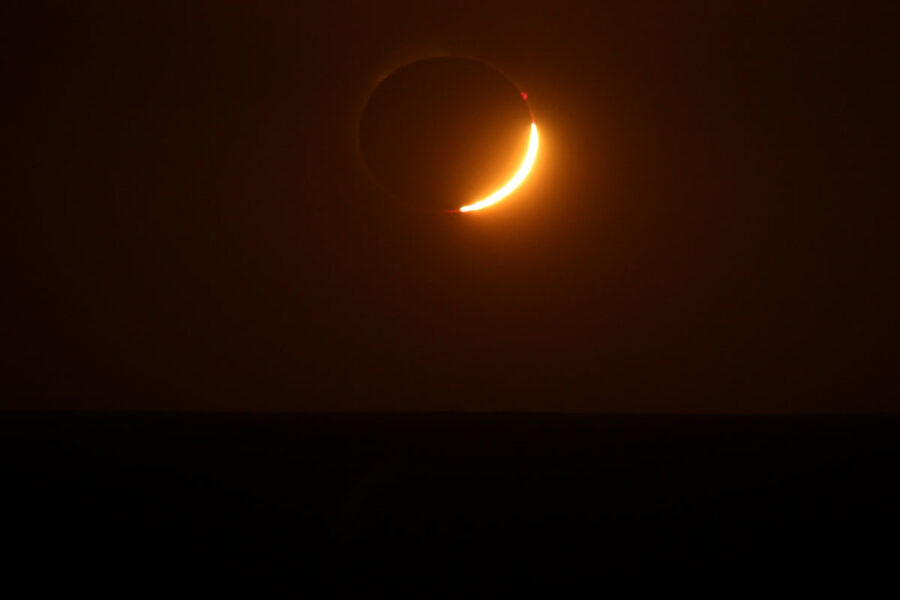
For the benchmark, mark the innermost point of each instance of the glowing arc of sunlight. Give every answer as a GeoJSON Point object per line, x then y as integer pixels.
{"type": "Point", "coordinates": [513, 183]}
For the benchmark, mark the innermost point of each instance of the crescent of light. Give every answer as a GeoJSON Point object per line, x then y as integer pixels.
{"type": "Point", "coordinates": [513, 183]}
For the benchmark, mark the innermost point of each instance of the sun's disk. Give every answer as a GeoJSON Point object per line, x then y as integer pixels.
{"type": "Point", "coordinates": [513, 183]}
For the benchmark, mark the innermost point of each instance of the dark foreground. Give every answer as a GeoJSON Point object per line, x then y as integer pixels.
{"type": "Point", "coordinates": [618, 483]}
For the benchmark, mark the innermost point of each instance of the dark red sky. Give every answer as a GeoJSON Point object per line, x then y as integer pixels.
{"type": "Point", "coordinates": [187, 223]}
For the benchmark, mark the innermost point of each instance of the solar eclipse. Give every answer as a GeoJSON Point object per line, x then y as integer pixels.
{"type": "Point", "coordinates": [450, 134]}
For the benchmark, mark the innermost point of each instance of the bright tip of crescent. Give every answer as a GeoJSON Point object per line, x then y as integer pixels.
{"type": "Point", "coordinates": [513, 183]}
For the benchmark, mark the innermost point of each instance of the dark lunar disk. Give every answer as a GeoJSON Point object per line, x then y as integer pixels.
{"type": "Point", "coordinates": [444, 132]}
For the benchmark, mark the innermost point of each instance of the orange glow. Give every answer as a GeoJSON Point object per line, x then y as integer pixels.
{"type": "Point", "coordinates": [513, 183]}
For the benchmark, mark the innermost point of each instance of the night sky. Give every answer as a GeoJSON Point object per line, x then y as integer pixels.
{"type": "Point", "coordinates": [187, 221]}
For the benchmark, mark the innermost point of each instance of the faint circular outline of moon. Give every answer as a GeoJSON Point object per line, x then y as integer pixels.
{"type": "Point", "coordinates": [521, 173]}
